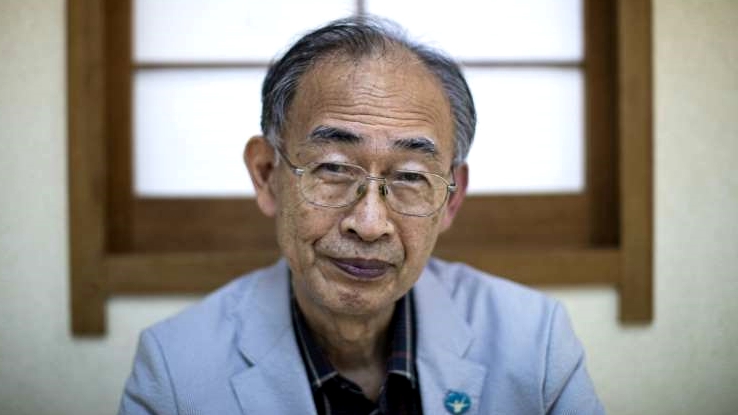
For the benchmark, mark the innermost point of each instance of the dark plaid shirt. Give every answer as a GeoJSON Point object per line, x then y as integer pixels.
{"type": "Point", "coordinates": [335, 395]}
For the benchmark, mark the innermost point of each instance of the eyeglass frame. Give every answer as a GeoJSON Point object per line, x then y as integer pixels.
{"type": "Point", "coordinates": [384, 189]}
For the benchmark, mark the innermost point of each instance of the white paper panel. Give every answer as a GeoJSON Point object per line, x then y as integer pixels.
{"type": "Point", "coordinates": [530, 131]}
{"type": "Point", "coordinates": [492, 29]}
{"type": "Point", "coordinates": [190, 131]}
{"type": "Point", "coordinates": [191, 127]}
{"type": "Point", "coordinates": [225, 30]}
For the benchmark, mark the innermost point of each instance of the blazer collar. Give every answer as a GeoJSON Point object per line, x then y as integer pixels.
{"type": "Point", "coordinates": [444, 338]}
{"type": "Point", "coordinates": [275, 381]}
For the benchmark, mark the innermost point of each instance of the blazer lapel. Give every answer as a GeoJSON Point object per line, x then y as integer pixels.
{"type": "Point", "coordinates": [443, 340]}
{"type": "Point", "coordinates": [275, 381]}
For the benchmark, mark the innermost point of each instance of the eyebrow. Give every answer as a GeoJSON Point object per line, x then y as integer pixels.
{"type": "Point", "coordinates": [326, 134]}
{"type": "Point", "coordinates": [421, 144]}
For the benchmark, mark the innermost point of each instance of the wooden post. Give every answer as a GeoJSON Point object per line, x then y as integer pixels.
{"type": "Point", "coordinates": [636, 159]}
{"type": "Point", "coordinates": [87, 173]}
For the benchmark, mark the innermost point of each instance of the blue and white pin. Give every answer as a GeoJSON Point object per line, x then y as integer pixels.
{"type": "Point", "coordinates": [457, 402]}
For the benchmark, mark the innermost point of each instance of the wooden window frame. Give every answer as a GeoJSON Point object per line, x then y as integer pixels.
{"type": "Point", "coordinates": [120, 244]}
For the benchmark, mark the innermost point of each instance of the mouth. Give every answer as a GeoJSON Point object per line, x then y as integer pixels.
{"type": "Point", "coordinates": [364, 269]}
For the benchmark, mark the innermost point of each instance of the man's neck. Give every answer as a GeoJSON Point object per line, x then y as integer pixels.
{"type": "Point", "coordinates": [356, 346]}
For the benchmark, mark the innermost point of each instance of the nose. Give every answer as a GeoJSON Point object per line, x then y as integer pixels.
{"type": "Point", "coordinates": [368, 219]}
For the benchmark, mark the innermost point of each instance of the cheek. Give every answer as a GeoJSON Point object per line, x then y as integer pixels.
{"type": "Point", "coordinates": [299, 228]}
{"type": "Point", "coordinates": [420, 238]}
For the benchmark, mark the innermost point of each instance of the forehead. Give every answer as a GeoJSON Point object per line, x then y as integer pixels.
{"type": "Point", "coordinates": [382, 98]}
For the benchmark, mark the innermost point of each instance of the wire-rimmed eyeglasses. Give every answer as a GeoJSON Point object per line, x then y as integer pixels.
{"type": "Point", "coordinates": [335, 185]}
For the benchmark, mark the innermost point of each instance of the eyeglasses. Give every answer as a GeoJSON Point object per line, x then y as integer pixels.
{"type": "Point", "coordinates": [336, 185]}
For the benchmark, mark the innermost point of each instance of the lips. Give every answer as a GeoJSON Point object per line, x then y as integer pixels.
{"type": "Point", "coordinates": [362, 268]}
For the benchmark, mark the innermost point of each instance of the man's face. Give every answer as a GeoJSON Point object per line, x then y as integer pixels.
{"type": "Point", "coordinates": [382, 113]}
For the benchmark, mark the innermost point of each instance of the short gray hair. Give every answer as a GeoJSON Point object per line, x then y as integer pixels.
{"type": "Point", "coordinates": [357, 37]}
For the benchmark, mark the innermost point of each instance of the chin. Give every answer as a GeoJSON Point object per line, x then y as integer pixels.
{"type": "Point", "coordinates": [357, 304]}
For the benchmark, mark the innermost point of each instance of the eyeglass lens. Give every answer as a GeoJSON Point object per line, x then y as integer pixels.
{"type": "Point", "coordinates": [339, 185]}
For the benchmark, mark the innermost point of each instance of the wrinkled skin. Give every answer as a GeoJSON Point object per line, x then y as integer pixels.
{"type": "Point", "coordinates": [382, 99]}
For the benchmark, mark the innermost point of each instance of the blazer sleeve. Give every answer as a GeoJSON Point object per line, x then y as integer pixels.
{"type": "Point", "coordinates": [568, 388]}
{"type": "Point", "coordinates": [149, 390]}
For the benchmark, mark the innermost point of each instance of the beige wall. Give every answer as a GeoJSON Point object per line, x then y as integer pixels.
{"type": "Point", "coordinates": [684, 363]}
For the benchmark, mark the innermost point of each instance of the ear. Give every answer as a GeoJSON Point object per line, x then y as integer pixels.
{"type": "Point", "coordinates": [259, 157]}
{"type": "Point", "coordinates": [461, 175]}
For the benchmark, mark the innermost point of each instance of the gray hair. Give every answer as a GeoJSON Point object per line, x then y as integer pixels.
{"type": "Point", "coordinates": [357, 37]}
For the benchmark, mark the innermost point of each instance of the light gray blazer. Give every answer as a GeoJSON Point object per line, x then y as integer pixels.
{"type": "Point", "coordinates": [509, 348]}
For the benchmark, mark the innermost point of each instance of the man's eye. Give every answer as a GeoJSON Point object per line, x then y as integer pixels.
{"type": "Point", "coordinates": [410, 177]}
{"type": "Point", "coordinates": [334, 168]}
{"type": "Point", "coordinates": [334, 173]}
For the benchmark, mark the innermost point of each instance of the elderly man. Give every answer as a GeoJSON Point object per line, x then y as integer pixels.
{"type": "Point", "coordinates": [361, 164]}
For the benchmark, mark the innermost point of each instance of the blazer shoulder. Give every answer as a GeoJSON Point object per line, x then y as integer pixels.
{"type": "Point", "coordinates": [213, 316]}
{"type": "Point", "coordinates": [522, 336]}
{"type": "Point", "coordinates": [193, 356]}
{"type": "Point", "coordinates": [517, 320]}
{"type": "Point", "coordinates": [484, 295]}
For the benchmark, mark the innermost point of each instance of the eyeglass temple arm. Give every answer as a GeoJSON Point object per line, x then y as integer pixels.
{"type": "Point", "coordinates": [452, 186]}
{"type": "Point", "coordinates": [297, 170]}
